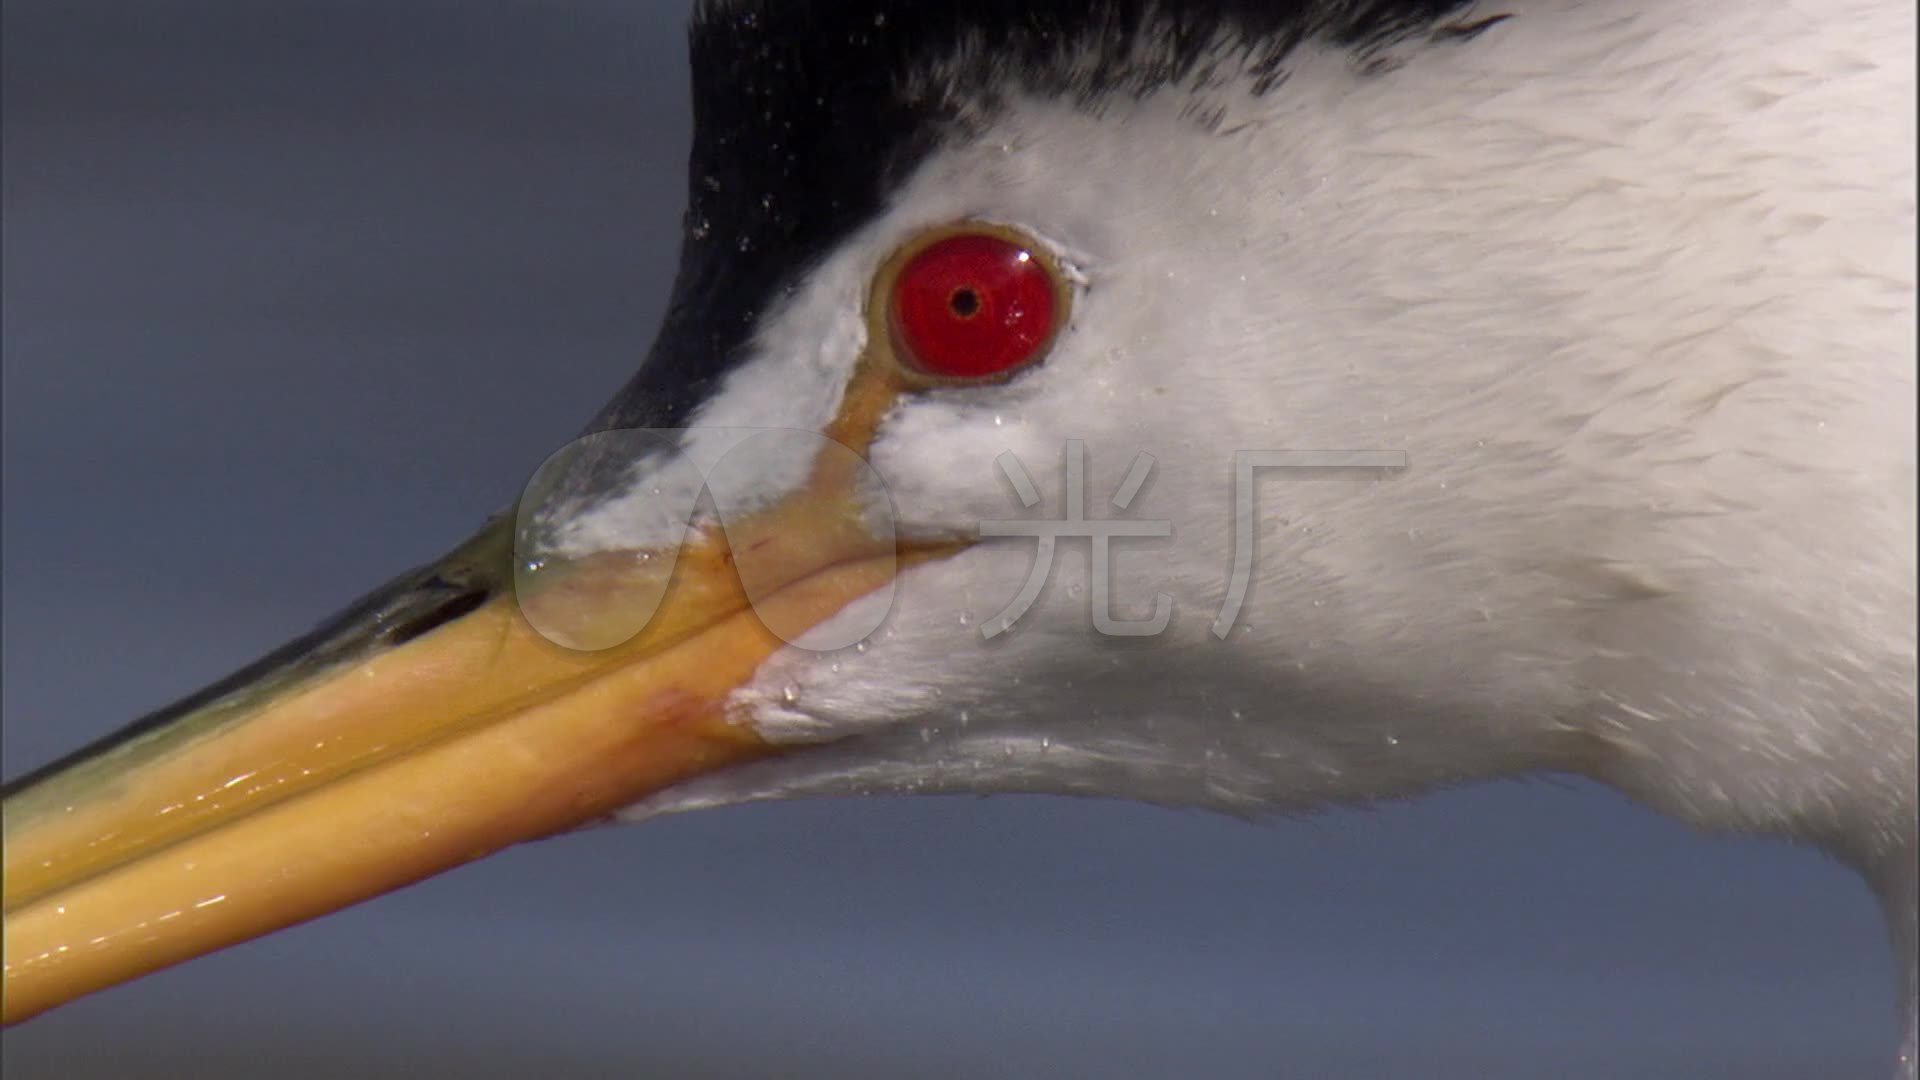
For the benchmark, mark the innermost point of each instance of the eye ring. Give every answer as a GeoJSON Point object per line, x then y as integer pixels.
{"type": "Point", "coordinates": [956, 317]}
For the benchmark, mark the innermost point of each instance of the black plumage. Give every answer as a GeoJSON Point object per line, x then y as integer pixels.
{"type": "Point", "coordinates": [808, 113]}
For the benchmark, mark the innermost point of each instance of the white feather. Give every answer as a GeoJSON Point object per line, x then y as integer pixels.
{"type": "Point", "coordinates": [1631, 286]}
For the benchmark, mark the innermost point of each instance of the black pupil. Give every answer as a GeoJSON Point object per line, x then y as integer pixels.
{"type": "Point", "coordinates": [964, 301]}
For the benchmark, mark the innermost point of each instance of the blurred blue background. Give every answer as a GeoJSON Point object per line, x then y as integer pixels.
{"type": "Point", "coordinates": [296, 292]}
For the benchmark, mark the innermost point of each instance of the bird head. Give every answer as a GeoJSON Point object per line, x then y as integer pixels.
{"type": "Point", "coordinates": [1236, 405]}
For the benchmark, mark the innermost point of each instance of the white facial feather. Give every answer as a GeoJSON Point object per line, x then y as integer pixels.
{"type": "Point", "coordinates": [1629, 297]}
{"type": "Point", "coordinates": [1632, 288]}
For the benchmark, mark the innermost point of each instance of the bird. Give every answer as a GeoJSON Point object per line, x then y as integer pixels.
{"type": "Point", "coordinates": [1523, 389]}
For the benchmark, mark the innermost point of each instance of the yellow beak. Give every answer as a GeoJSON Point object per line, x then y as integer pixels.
{"type": "Point", "coordinates": [356, 766]}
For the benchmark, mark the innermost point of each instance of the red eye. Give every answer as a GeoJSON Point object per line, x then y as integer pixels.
{"type": "Point", "coordinates": [972, 306]}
